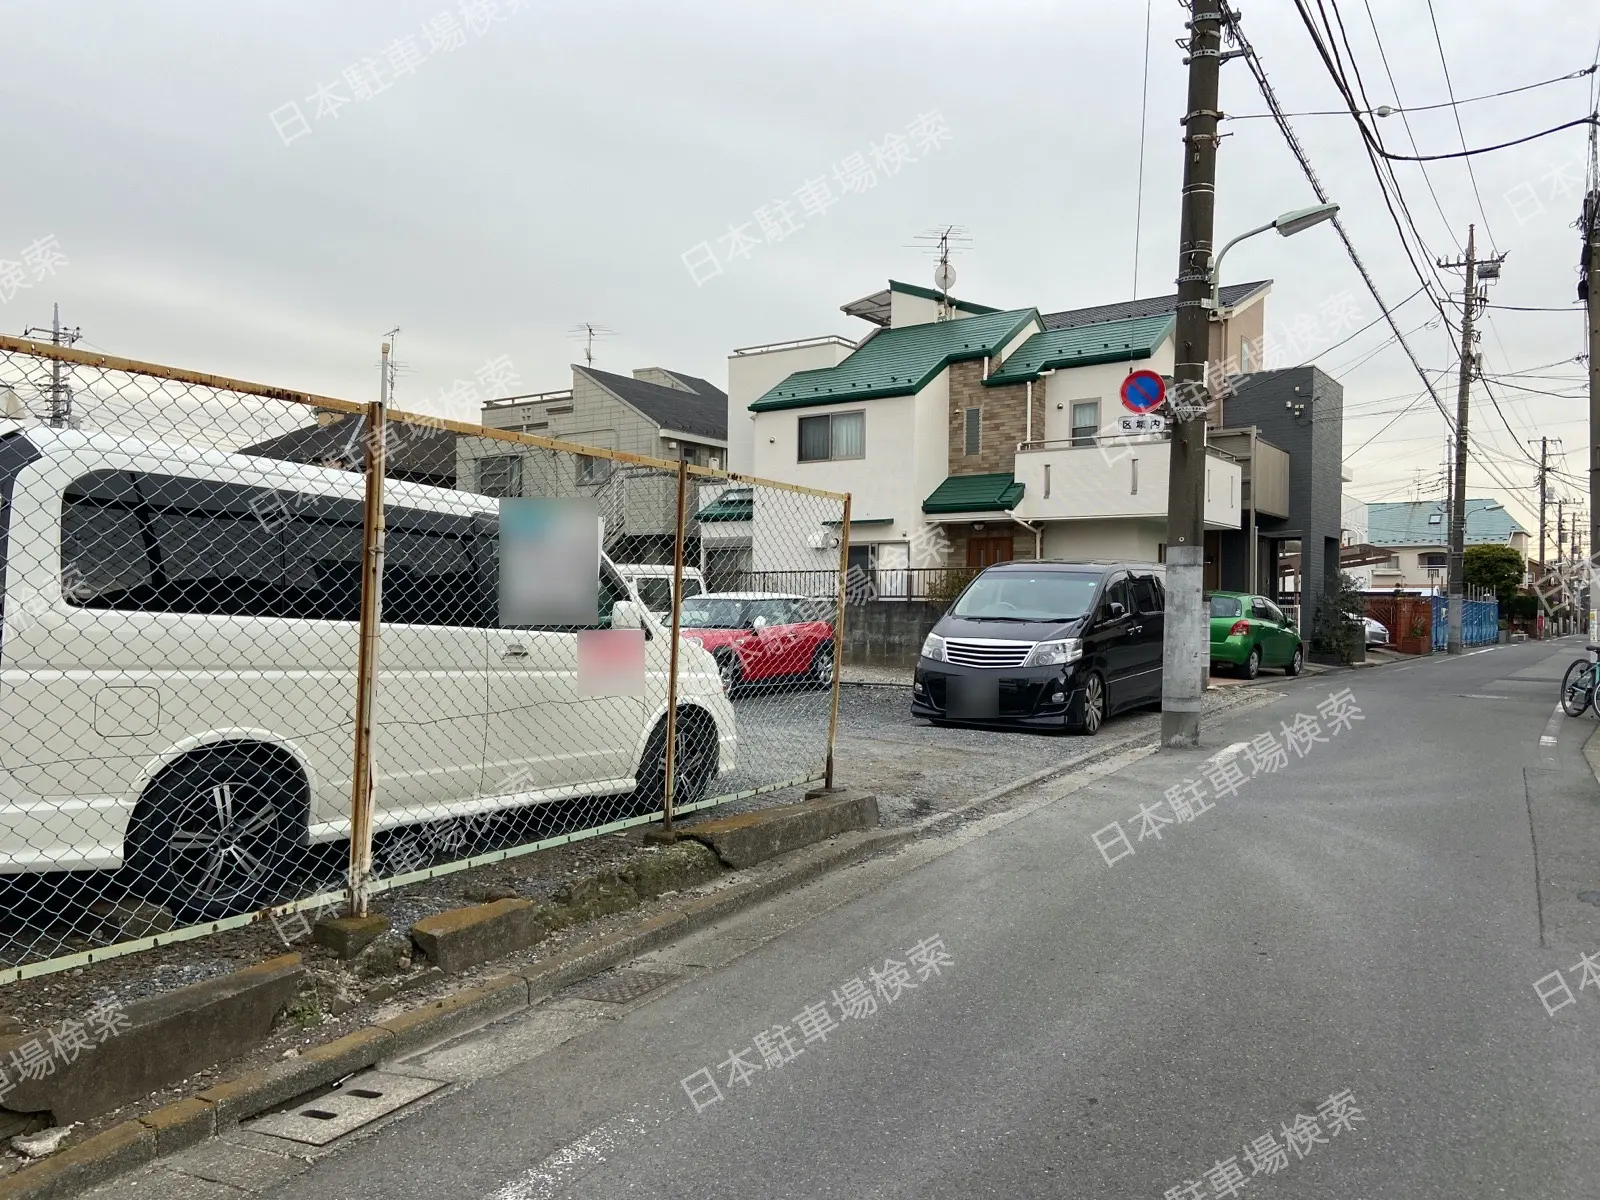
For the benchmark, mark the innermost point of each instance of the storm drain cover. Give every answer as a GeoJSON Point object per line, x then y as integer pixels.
{"type": "Point", "coordinates": [362, 1099]}
{"type": "Point", "coordinates": [621, 986]}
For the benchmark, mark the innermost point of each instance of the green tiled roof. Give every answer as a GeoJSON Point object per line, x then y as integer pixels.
{"type": "Point", "coordinates": [898, 362]}
{"type": "Point", "coordinates": [975, 493]}
{"type": "Point", "coordinates": [736, 504]}
{"type": "Point", "coordinates": [1084, 345]}
{"type": "Point", "coordinates": [1406, 523]}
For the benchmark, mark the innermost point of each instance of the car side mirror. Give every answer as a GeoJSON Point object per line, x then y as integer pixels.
{"type": "Point", "coordinates": [758, 623]}
{"type": "Point", "coordinates": [1117, 611]}
{"type": "Point", "coordinates": [625, 614]}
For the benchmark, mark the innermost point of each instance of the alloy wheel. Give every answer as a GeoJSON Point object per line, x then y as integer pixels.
{"type": "Point", "coordinates": [222, 840]}
{"type": "Point", "coordinates": [1094, 704]}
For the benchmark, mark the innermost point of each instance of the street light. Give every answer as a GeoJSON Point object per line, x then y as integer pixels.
{"type": "Point", "coordinates": [1287, 225]}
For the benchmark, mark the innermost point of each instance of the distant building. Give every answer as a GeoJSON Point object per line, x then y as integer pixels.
{"type": "Point", "coordinates": [655, 413]}
{"type": "Point", "coordinates": [1416, 533]}
{"type": "Point", "coordinates": [416, 453]}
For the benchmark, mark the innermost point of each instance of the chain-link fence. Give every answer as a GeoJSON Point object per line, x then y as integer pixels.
{"type": "Point", "coordinates": [266, 650]}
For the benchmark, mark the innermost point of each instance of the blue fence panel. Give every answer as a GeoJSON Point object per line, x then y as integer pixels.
{"type": "Point", "coordinates": [1480, 622]}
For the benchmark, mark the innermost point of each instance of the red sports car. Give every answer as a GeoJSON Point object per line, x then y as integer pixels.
{"type": "Point", "coordinates": [759, 638]}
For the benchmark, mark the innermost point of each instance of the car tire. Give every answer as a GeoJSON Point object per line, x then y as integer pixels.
{"type": "Point", "coordinates": [731, 672]}
{"type": "Point", "coordinates": [1095, 706]}
{"type": "Point", "coordinates": [220, 832]}
{"type": "Point", "coordinates": [694, 763]}
{"type": "Point", "coordinates": [1251, 667]}
{"type": "Point", "coordinates": [1297, 663]}
{"type": "Point", "coordinates": [820, 672]}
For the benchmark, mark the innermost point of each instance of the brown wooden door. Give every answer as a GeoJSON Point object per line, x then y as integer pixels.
{"type": "Point", "coordinates": [984, 550]}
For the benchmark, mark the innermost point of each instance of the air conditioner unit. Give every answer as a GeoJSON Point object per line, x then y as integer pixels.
{"type": "Point", "coordinates": [823, 540]}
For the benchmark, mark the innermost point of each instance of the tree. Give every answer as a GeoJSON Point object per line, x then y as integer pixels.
{"type": "Point", "coordinates": [1498, 568]}
{"type": "Point", "coordinates": [1338, 632]}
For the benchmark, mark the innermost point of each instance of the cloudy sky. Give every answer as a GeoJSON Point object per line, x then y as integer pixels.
{"type": "Point", "coordinates": [263, 190]}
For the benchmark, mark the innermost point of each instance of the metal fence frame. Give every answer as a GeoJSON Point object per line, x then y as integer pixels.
{"type": "Point", "coordinates": [361, 884]}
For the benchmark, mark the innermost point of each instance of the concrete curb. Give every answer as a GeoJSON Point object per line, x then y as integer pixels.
{"type": "Point", "coordinates": [187, 1122]}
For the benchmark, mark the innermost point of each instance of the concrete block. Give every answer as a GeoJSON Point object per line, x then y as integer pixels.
{"type": "Point", "coordinates": [464, 937]}
{"type": "Point", "coordinates": [455, 1014]}
{"type": "Point", "coordinates": [75, 1170]}
{"type": "Point", "coordinates": [181, 1125]}
{"type": "Point", "coordinates": [751, 838]}
{"type": "Point", "coordinates": [672, 869]}
{"type": "Point", "coordinates": [168, 1037]}
{"type": "Point", "coordinates": [349, 936]}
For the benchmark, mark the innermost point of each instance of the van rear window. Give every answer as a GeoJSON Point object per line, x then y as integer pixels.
{"type": "Point", "coordinates": [16, 452]}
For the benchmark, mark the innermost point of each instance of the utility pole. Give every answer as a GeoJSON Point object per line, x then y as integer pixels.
{"type": "Point", "coordinates": [1470, 302]}
{"type": "Point", "coordinates": [1544, 472]}
{"type": "Point", "coordinates": [60, 390]}
{"type": "Point", "coordinates": [1589, 289]}
{"type": "Point", "coordinates": [1185, 648]}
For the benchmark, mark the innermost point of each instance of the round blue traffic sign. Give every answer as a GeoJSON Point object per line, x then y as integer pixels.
{"type": "Point", "coordinates": [1142, 391]}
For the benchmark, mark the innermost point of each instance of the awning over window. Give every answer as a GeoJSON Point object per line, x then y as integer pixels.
{"type": "Point", "coordinates": [998, 492]}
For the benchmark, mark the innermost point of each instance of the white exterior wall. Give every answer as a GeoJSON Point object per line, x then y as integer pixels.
{"type": "Point", "coordinates": [1139, 541]}
{"type": "Point", "coordinates": [905, 309]}
{"type": "Point", "coordinates": [1102, 382]}
{"type": "Point", "coordinates": [753, 375]}
{"type": "Point", "coordinates": [879, 483]}
{"type": "Point", "coordinates": [1123, 478]}
{"type": "Point", "coordinates": [930, 463]}
{"type": "Point", "coordinates": [1353, 520]}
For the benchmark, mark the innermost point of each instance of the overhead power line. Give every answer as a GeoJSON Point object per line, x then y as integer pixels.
{"type": "Point", "coordinates": [1388, 110]}
{"type": "Point", "coordinates": [1258, 71]}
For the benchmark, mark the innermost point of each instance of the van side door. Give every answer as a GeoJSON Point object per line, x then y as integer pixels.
{"type": "Point", "coordinates": [546, 735]}
{"type": "Point", "coordinates": [1115, 637]}
{"type": "Point", "coordinates": [1150, 618]}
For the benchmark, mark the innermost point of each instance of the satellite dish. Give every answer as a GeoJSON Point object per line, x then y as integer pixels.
{"type": "Point", "coordinates": [944, 276]}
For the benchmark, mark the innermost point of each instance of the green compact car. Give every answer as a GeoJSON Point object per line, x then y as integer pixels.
{"type": "Point", "coordinates": [1250, 632]}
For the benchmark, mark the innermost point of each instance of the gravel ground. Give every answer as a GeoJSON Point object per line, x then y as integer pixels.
{"type": "Point", "coordinates": [913, 767]}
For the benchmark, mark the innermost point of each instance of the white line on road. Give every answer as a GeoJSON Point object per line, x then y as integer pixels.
{"type": "Point", "coordinates": [577, 1158]}
{"type": "Point", "coordinates": [1548, 737]}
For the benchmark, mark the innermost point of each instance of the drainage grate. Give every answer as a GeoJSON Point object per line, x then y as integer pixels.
{"type": "Point", "coordinates": [363, 1099]}
{"type": "Point", "coordinates": [621, 986]}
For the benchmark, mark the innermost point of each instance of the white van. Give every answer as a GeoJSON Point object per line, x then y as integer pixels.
{"type": "Point", "coordinates": [177, 670]}
{"type": "Point", "coordinates": [653, 582]}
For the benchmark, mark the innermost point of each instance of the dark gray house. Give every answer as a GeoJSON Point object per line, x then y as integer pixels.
{"type": "Point", "coordinates": [1292, 489]}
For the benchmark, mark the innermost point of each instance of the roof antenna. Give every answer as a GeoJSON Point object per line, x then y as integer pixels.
{"type": "Point", "coordinates": [589, 332]}
{"type": "Point", "coordinates": [944, 241]}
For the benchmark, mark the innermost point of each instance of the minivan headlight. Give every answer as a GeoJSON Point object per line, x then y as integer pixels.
{"type": "Point", "coordinates": [1051, 654]}
{"type": "Point", "coordinates": [933, 647]}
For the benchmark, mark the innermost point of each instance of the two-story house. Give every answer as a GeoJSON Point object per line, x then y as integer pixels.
{"type": "Point", "coordinates": [1416, 533]}
{"type": "Point", "coordinates": [654, 412]}
{"type": "Point", "coordinates": [968, 435]}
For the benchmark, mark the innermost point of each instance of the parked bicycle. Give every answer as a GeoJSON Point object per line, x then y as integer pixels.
{"type": "Point", "coordinates": [1580, 686]}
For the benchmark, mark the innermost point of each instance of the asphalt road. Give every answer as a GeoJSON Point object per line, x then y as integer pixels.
{"type": "Point", "coordinates": [1366, 920]}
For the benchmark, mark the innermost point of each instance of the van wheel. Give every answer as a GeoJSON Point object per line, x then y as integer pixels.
{"type": "Point", "coordinates": [1094, 705]}
{"type": "Point", "coordinates": [729, 671]}
{"type": "Point", "coordinates": [220, 832]}
{"type": "Point", "coordinates": [694, 763]}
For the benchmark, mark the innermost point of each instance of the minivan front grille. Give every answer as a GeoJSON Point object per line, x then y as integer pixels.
{"type": "Point", "coordinates": [985, 652]}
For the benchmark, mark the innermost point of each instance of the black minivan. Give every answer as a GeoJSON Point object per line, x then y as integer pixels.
{"type": "Point", "coordinates": [1045, 645]}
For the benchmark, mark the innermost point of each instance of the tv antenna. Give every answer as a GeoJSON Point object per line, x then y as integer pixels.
{"type": "Point", "coordinates": [944, 241]}
{"type": "Point", "coordinates": [590, 333]}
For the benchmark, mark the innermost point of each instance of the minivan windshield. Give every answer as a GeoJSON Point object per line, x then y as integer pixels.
{"type": "Point", "coordinates": [1225, 606]}
{"type": "Point", "coordinates": [1027, 596]}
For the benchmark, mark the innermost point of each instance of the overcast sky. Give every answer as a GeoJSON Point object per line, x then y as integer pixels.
{"type": "Point", "coordinates": [557, 166]}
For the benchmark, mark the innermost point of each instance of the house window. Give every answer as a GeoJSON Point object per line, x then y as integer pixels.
{"type": "Point", "coordinates": [972, 435]}
{"type": "Point", "coordinates": [556, 410]}
{"type": "Point", "coordinates": [836, 435]}
{"type": "Point", "coordinates": [500, 475]}
{"type": "Point", "coordinates": [1433, 561]}
{"type": "Point", "coordinates": [1244, 356]}
{"type": "Point", "coordinates": [1085, 422]}
{"type": "Point", "coordinates": [593, 470]}
{"type": "Point", "coordinates": [1047, 481]}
